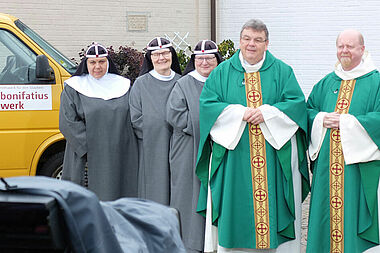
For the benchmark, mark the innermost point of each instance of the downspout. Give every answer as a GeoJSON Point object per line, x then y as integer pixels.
{"type": "Point", "coordinates": [213, 20]}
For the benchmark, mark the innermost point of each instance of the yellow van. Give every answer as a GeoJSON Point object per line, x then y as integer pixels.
{"type": "Point", "coordinates": [32, 73]}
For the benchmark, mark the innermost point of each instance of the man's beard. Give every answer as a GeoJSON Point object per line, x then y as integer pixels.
{"type": "Point", "coordinates": [345, 61]}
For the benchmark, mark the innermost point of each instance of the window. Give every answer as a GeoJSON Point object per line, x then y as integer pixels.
{"type": "Point", "coordinates": [17, 61]}
{"type": "Point", "coordinates": [58, 57]}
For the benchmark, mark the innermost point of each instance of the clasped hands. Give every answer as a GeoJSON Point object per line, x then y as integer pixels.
{"type": "Point", "coordinates": [331, 120]}
{"type": "Point", "coordinates": [253, 116]}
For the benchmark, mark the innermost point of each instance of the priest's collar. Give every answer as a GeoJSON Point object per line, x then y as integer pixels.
{"type": "Point", "coordinates": [198, 76]}
{"type": "Point", "coordinates": [249, 68]}
{"type": "Point", "coordinates": [158, 76]}
{"type": "Point", "coordinates": [366, 65]}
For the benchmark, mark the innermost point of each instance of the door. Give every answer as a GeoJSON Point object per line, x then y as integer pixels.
{"type": "Point", "coordinates": [28, 106]}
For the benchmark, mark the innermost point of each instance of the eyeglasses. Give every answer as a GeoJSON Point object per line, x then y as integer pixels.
{"type": "Point", "coordinates": [247, 39]}
{"type": "Point", "coordinates": [207, 59]}
{"type": "Point", "coordinates": [165, 54]}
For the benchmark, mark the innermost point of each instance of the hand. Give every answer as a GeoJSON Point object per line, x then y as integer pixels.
{"type": "Point", "coordinates": [331, 120]}
{"type": "Point", "coordinates": [253, 116]}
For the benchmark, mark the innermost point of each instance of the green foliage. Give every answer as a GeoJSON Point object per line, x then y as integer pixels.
{"type": "Point", "coordinates": [127, 60]}
{"type": "Point", "coordinates": [227, 49]}
{"type": "Point", "coordinates": [183, 58]}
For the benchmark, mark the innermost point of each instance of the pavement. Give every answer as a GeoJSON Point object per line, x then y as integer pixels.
{"type": "Point", "coordinates": [305, 217]}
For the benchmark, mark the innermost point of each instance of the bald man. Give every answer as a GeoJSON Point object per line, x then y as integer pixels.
{"type": "Point", "coordinates": [344, 119]}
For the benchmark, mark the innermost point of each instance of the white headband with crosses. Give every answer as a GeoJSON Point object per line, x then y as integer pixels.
{"type": "Point", "coordinates": [208, 51]}
{"type": "Point", "coordinates": [160, 46]}
{"type": "Point", "coordinates": [96, 55]}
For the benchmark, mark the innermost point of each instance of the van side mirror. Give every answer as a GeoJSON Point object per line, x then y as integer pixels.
{"type": "Point", "coordinates": [43, 70]}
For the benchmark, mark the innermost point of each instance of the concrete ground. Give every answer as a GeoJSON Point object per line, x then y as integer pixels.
{"type": "Point", "coordinates": [305, 217]}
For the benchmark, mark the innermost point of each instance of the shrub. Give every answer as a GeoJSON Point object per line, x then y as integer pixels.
{"type": "Point", "coordinates": [227, 49]}
{"type": "Point", "coordinates": [128, 61]}
{"type": "Point", "coordinates": [183, 58]}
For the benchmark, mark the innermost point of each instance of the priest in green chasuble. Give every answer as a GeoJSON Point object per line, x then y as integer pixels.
{"type": "Point", "coordinates": [344, 119]}
{"type": "Point", "coordinates": [252, 154]}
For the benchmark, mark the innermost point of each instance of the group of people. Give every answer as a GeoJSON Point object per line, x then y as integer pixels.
{"type": "Point", "coordinates": [228, 143]}
{"type": "Point", "coordinates": [140, 141]}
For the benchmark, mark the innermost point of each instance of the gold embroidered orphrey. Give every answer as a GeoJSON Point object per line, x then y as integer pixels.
{"type": "Point", "coordinates": [337, 172]}
{"type": "Point", "coordinates": [258, 164]}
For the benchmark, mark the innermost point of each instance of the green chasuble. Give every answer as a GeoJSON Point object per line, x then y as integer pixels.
{"type": "Point", "coordinates": [230, 179]}
{"type": "Point", "coordinates": [360, 215]}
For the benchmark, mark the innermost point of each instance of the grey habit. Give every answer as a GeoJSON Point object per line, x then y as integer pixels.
{"type": "Point", "coordinates": [183, 116]}
{"type": "Point", "coordinates": [122, 226]}
{"type": "Point", "coordinates": [148, 97]}
{"type": "Point", "coordinates": [99, 131]}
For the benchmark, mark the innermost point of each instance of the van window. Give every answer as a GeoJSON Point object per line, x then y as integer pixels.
{"type": "Point", "coordinates": [17, 61]}
{"type": "Point", "coordinates": [58, 57]}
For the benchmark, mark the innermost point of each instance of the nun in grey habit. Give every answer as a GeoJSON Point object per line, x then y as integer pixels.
{"type": "Point", "coordinates": [183, 115]}
{"type": "Point", "coordinates": [147, 101]}
{"type": "Point", "coordinates": [95, 120]}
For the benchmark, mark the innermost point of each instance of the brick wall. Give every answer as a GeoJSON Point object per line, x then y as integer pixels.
{"type": "Point", "coordinates": [303, 33]}
{"type": "Point", "coordinates": [70, 25]}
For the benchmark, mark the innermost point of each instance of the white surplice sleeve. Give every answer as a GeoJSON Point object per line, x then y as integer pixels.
{"type": "Point", "coordinates": [317, 135]}
{"type": "Point", "coordinates": [277, 127]}
{"type": "Point", "coordinates": [229, 126]}
{"type": "Point", "coordinates": [357, 145]}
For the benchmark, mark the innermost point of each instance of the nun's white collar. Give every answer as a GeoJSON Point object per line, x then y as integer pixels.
{"type": "Point", "coordinates": [158, 76]}
{"type": "Point", "coordinates": [198, 76]}
{"type": "Point", "coordinates": [107, 87]}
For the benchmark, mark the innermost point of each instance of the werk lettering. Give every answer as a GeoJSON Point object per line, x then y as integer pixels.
{"type": "Point", "coordinates": [12, 106]}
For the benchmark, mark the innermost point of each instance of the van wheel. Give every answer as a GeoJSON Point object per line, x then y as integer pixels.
{"type": "Point", "coordinates": [53, 166]}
